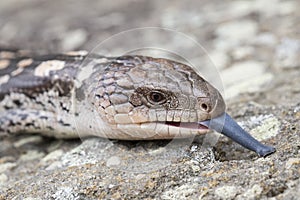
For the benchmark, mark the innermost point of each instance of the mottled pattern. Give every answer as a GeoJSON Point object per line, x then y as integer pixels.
{"type": "Point", "coordinates": [129, 97]}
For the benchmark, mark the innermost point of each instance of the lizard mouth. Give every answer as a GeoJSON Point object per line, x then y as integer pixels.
{"type": "Point", "coordinates": [188, 125]}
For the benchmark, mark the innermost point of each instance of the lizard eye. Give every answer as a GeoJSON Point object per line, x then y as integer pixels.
{"type": "Point", "coordinates": [156, 97]}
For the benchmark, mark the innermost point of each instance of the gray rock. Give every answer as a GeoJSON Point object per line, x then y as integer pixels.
{"type": "Point", "coordinates": [252, 193]}
{"type": "Point", "coordinates": [30, 139]}
{"type": "Point", "coordinates": [226, 192]}
{"type": "Point", "coordinates": [3, 179]}
{"type": "Point", "coordinates": [32, 155]}
{"type": "Point", "coordinates": [180, 192]}
{"type": "Point", "coordinates": [7, 166]}
{"type": "Point", "coordinates": [73, 39]}
{"type": "Point", "coordinates": [287, 53]}
{"type": "Point", "coordinates": [237, 30]}
{"type": "Point", "coordinates": [248, 76]}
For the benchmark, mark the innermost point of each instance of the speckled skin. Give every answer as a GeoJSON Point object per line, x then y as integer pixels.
{"type": "Point", "coordinates": [129, 97]}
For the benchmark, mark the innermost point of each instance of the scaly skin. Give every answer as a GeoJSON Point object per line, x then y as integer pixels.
{"type": "Point", "coordinates": [127, 97]}
{"type": "Point", "coordinates": [112, 100]}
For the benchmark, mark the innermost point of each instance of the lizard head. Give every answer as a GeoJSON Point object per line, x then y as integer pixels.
{"type": "Point", "coordinates": [152, 98]}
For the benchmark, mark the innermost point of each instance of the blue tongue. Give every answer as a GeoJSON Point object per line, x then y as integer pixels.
{"type": "Point", "coordinates": [227, 126]}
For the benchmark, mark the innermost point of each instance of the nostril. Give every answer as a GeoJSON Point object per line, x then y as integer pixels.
{"type": "Point", "coordinates": [204, 106]}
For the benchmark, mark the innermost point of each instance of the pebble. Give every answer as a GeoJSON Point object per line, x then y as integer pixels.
{"type": "Point", "coordinates": [195, 168]}
{"type": "Point", "coordinates": [247, 76]}
{"type": "Point", "coordinates": [7, 166]}
{"type": "Point", "coordinates": [231, 35]}
{"type": "Point", "coordinates": [278, 7]}
{"type": "Point", "coordinates": [182, 19]}
{"type": "Point", "coordinates": [244, 52]}
{"type": "Point", "coordinates": [269, 127]}
{"type": "Point", "coordinates": [252, 85]}
{"type": "Point", "coordinates": [291, 162]}
{"type": "Point", "coordinates": [287, 7]}
{"type": "Point", "coordinates": [226, 192]}
{"type": "Point", "coordinates": [54, 165]}
{"type": "Point", "coordinates": [6, 159]}
{"type": "Point", "coordinates": [53, 155]}
{"type": "Point", "coordinates": [194, 165]}
{"type": "Point", "coordinates": [266, 39]}
{"type": "Point", "coordinates": [220, 59]}
{"type": "Point", "coordinates": [253, 193]}
{"type": "Point", "coordinates": [74, 39]}
{"type": "Point", "coordinates": [240, 8]}
{"type": "Point", "coordinates": [91, 151]}
{"type": "Point", "coordinates": [31, 155]}
{"type": "Point", "coordinates": [242, 71]}
{"type": "Point", "coordinates": [180, 192]}
{"type": "Point", "coordinates": [3, 179]}
{"type": "Point", "coordinates": [27, 140]}
{"type": "Point", "coordinates": [113, 161]}
{"type": "Point", "coordinates": [287, 53]}
{"type": "Point", "coordinates": [241, 30]}
{"type": "Point", "coordinates": [244, 8]}
{"type": "Point", "coordinates": [65, 193]}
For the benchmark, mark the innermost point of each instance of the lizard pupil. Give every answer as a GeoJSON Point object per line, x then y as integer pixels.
{"type": "Point", "coordinates": [156, 97]}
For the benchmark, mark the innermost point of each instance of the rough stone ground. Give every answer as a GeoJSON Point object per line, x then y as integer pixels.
{"type": "Point", "coordinates": [256, 47]}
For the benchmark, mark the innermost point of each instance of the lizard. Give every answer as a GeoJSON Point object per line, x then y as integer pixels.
{"type": "Point", "coordinates": [130, 97]}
